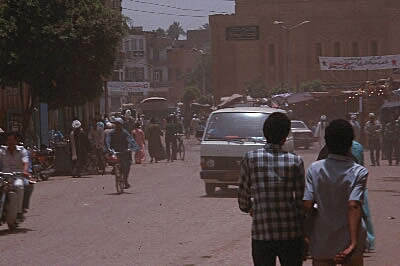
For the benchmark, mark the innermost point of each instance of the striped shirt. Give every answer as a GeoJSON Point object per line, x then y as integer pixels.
{"type": "Point", "coordinates": [272, 186]}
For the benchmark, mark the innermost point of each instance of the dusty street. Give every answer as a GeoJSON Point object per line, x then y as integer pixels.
{"type": "Point", "coordinates": [164, 219]}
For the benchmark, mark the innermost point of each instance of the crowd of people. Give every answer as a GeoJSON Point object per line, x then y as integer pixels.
{"type": "Point", "coordinates": [323, 210]}
{"type": "Point", "coordinates": [381, 138]}
{"type": "Point", "coordinates": [160, 137]}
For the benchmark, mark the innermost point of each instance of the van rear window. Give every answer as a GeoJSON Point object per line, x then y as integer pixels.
{"type": "Point", "coordinates": [224, 126]}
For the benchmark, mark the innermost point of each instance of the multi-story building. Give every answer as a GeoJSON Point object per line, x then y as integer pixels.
{"type": "Point", "coordinates": [249, 46]}
{"type": "Point", "coordinates": [184, 58]}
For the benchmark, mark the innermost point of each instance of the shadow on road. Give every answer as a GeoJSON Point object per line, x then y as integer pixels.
{"type": "Point", "coordinates": [229, 193]}
{"type": "Point", "coordinates": [16, 231]}
{"type": "Point", "coordinates": [117, 194]}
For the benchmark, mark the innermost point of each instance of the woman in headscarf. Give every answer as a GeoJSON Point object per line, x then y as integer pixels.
{"type": "Point", "coordinates": [139, 137]}
{"type": "Point", "coordinates": [153, 135]}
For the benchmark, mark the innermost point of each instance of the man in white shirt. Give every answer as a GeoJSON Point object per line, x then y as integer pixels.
{"type": "Point", "coordinates": [13, 159]}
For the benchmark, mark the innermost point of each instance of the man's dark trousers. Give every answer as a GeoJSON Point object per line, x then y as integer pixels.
{"type": "Point", "coordinates": [289, 252]}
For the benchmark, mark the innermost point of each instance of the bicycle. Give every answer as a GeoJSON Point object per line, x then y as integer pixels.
{"type": "Point", "coordinates": [114, 160]}
{"type": "Point", "coordinates": [181, 147]}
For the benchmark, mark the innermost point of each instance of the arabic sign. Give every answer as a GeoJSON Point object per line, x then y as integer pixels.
{"type": "Point", "coordinates": [115, 86]}
{"type": "Point", "coordinates": [242, 33]}
{"type": "Point", "coordinates": [360, 63]}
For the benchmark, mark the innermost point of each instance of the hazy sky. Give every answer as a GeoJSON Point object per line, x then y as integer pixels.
{"type": "Point", "coordinates": [153, 21]}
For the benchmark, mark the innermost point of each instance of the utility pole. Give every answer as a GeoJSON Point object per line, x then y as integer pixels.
{"type": "Point", "coordinates": [288, 44]}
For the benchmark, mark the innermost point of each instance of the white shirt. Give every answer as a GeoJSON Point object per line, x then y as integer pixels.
{"type": "Point", "coordinates": [13, 162]}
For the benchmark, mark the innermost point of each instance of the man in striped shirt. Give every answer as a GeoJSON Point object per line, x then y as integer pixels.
{"type": "Point", "coordinates": [271, 190]}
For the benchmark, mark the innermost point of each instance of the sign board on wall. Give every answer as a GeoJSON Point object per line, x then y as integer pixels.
{"type": "Point", "coordinates": [118, 86]}
{"type": "Point", "coordinates": [360, 63]}
{"type": "Point", "coordinates": [243, 33]}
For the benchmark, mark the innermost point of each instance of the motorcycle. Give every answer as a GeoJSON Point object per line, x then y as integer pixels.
{"type": "Point", "coordinates": [11, 199]}
{"type": "Point", "coordinates": [43, 161]}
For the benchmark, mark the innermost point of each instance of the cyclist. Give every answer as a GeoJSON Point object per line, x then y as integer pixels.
{"type": "Point", "coordinates": [121, 141]}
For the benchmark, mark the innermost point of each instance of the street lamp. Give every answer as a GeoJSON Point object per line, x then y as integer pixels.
{"type": "Point", "coordinates": [202, 53]}
{"type": "Point", "coordinates": [288, 29]}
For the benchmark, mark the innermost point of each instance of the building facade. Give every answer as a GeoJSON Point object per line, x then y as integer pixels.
{"type": "Point", "coordinates": [248, 46]}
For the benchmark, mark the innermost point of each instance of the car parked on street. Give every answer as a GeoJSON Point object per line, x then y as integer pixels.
{"type": "Point", "coordinates": [302, 135]}
{"type": "Point", "coordinates": [229, 134]}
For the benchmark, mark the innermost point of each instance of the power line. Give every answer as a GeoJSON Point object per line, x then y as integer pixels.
{"type": "Point", "coordinates": [179, 8]}
{"type": "Point", "coordinates": [161, 13]}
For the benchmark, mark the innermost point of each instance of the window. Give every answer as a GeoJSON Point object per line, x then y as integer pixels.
{"type": "Point", "coordinates": [336, 49]}
{"type": "Point", "coordinates": [133, 45]}
{"type": "Point", "coordinates": [271, 54]}
{"type": "Point", "coordinates": [141, 45]}
{"type": "Point", "coordinates": [126, 45]}
{"type": "Point", "coordinates": [374, 48]}
{"type": "Point", "coordinates": [169, 74]}
{"type": "Point", "coordinates": [318, 52]}
{"type": "Point", "coordinates": [178, 74]}
{"type": "Point", "coordinates": [156, 54]}
{"type": "Point", "coordinates": [116, 3]}
{"type": "Point", "coordinates": [135, 74]}
{"type": "Point", "coordinates": [355, 49]}
{"type": "Point", "coordinates": [139, 74]}
{"type": "Point", "coordinates": [158, 75]}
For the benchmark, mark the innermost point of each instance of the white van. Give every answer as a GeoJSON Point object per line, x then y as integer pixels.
{"type": "Point", "coordinates": [229, 134]}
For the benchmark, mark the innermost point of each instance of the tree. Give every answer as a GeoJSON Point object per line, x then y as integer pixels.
{"type": "Point", "coordinates": [160, 32]}
{"type": "Point", "coordinates": [204, 67]}
{"type": "Point", "coordinates": [312, 86]}
{"type": "Point", "coordinates": [256, 88]}
{"type": "Point", "coordinates": [62, 49]}
{"type": "Point", "coordinates": [175, 30]}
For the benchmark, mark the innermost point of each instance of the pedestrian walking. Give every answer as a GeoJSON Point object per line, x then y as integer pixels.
{"type": "Point", "coordinates": [335, 189]}
{"type": "Point", "coordinates": [195, 124]}
{"type": "Point", "coordinates": [357, 152]}
{"type": "Point", "coordinates": [153, 135]}
{"type": "Point", "coordinates": [373, 130]}
{"type": "Point", "coordinates": [271, 190]}
{"type": "Point", "coordinates": [396, 141]}
{"type": "Point", "coordinates": [389, 138]}
{"type": "Point", "coordinates": [99, 141]}
{"type": "Point", "coordinates": [171, 141]}
{"type": "Point", "coordinates": [139, 137]}
{"type": "Point", "coordinates": [320, 130]}
{"type": "Point", "coordinates": [79, 148]}
{"type": "Point", "coordinates": [356, 126]}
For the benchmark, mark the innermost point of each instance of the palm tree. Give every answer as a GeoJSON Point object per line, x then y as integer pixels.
{"type": "Point", "coordinates": [160, 32]}
{"type": "Point", "coordinates": [175, 30]}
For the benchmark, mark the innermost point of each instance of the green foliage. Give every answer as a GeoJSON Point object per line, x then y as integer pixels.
{"type": "Point", "coordinates": [312, 86]}
{"type": "Point", "coordinates": [204, 67]}
{"type": "Point", "coordinates": [61, 49]}
{"type": "Point", "coordinates": [256, 88]}
{"type": "Point", "coordinates": [175, 30]}
{"type": "Point", "coordinates": [160, 32]}
{"type": "Point", "coordinates": [205, 99]}
{"type": "Point", "coordinates": [190, 94]}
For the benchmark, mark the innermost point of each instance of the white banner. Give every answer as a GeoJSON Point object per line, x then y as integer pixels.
{"type": "Point", "coordinates": [360, 63]}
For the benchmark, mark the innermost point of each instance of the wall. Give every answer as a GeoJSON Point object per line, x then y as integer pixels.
{"type": "Point", "coordinates": [236, 63]}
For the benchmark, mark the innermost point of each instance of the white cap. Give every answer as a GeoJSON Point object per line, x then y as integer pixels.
{"type": "Point", "coordinates": [353, 116]}
{"type": "Point", "coordinates": [76, 124]}
{"type": "Point", "coordinates": [118, 120]}
{"type": "Point", "coordinates": [323, 117]}
{"type": "Point", "coordinates": [371, 115]}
